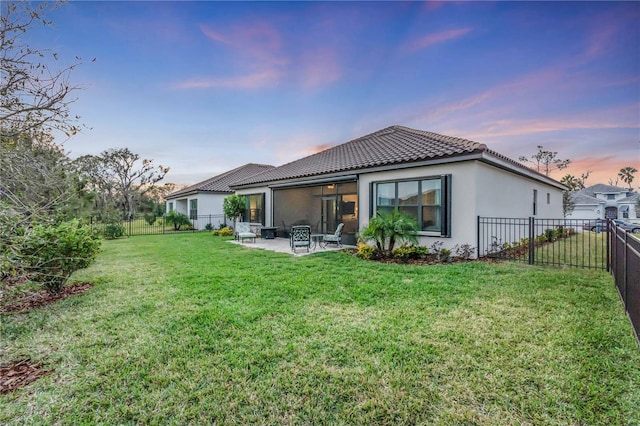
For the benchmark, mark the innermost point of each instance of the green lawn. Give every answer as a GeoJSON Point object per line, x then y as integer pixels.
{"type": "Point", "coordinates": [187, 328]}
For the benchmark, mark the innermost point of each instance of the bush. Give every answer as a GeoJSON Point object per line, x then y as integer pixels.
{"type": "Point", "coordinates": [444, 255]}
{"type": "Point", "coordinates": [208, 227]}
{"type": "Point", "coordinates": [550, 234]}
{"type": "Point", "coordinates": [367, 252]}
{"type": "Point", "coordinates": [150, 218]}
{"type": "Point", "coordinates": [178, 220]}
{"type": "Point", "coordinates": [464, 251]}
{"type": "Point", "coordinates": [405, 252]}
{"type": "Point", "coordinates": [50, 254]}
{"type": "Point", "coordinates": [223, 232]}
{"type": "Point", "coordinates": [112, 231]}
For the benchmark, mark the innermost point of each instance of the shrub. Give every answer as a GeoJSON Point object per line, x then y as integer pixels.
{"type": "Point", "coordinates": [178, 220]}
{"type": "Point", "coordinates": [541, 239]}
{"type": "Point", "coordinates": [464, 251]}
{"type": "Point", "coordinates": [112, 231]}
{"type": "Point", "coordinates": [550, 234]}
{"type": "Point", "coordinates": [50, 254]}
{"type": "Point", "coordinates": [208, 227]}
{"type": "Point", "coordinates": [367, 252]}
{"type": "Point", "coordinates": [223, 232]}
{"type": "Point", "coordinates": [405, 252]}
{"type": "Point", "coordinates": [444, 255]}
{"type": "Point", "coordinates": [150, 218]}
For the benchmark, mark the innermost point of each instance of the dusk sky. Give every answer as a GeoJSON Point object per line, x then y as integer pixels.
{"type": "Point", "coordinates": [203, 87]}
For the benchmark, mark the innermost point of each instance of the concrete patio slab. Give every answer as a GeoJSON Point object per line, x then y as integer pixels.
{"type": "Point", "coordinates": [281, 245]}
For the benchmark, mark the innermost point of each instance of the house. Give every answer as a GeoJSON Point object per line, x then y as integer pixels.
{"type": "Point", "coordinates": [202, 202]}
{"type": "Point", "coordinates": [444, 182]}
{"type": "Point", "coordinates": [605, 201]}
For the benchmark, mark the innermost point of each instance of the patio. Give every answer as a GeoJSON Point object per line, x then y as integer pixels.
{"type": "Point", "coordinates": [281, 245]}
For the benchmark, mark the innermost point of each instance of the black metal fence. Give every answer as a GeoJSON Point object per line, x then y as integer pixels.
{"type": "Point", "coordinates": [145, 224]}
{"type": "Point", "coordinates": [625, 268]}
{"type": "Point", "coordinates": [579, 243]}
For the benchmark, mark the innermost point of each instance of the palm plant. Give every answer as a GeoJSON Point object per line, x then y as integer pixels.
{"type": "Point", "coordinates": [626, 174]}
{"type": "Point", "coordinates": [388, 228]}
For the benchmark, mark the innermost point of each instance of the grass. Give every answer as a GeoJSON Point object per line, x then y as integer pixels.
{"type": "Point", "coordinates": [585, 249]}
{"type": "Point", "coordinates": [188, 329]}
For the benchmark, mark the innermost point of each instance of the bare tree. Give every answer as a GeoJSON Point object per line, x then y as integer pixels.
{"type": "Point", "coordinates": [546, 161]}
{"type": "Point", "coordinates": [125, 176]}
{"type": "Point", "coordinates": [34, 96]}
{"type": "Point", "coordinates": [575, 183]}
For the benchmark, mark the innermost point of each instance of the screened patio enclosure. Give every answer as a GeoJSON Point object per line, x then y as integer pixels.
{"type": "Point", "coordinates": [322, 207]}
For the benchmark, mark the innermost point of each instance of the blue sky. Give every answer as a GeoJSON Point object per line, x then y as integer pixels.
{"type": "Point", "coordinates": [203, 87]}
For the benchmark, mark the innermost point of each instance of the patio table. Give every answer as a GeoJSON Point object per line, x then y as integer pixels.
{"type": "Point", "coordinates": [316, 240]}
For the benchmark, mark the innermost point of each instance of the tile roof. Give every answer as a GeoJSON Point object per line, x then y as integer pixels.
{"type": "Point", "coordinates": [220, 183]}
{"type": "Point", "coordinates": [633, 198]}
{"type": "Point", "coordinates": [392, 145]}
{"type": "Point", "coordinates": [601, 188]}
{"type": "Point", "coordinates": [582, 198]}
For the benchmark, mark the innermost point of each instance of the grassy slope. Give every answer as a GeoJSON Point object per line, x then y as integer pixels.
{"type": "Point", "coordinates": [190, 329]}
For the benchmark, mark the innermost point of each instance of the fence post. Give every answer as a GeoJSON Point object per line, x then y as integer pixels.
{"type": "Point", "coordinates": [532, 235]}
{"type": "Point", "coordinates": [478, 235]}
{"type": "Point", "coordinates": [612, 234]}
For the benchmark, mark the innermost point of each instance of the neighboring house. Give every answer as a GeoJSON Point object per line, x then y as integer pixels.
{"type": "Point", "coordinates": [444, 182]}
{"type": "Point", "coordinates": [202, 202]}
{"type": "Point", "coordinates": [604, 201]}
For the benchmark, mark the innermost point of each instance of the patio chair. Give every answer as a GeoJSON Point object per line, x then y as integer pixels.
{"type": "Point", "coordinates": [243, 231]}
{"type": "Point", "coordinates": [335, 238]}
{"type": "Point", "coordinates": [300, 237]}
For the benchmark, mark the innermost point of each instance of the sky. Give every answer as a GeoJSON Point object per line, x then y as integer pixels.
{"type": "Point", "coordinates": [204, 87]}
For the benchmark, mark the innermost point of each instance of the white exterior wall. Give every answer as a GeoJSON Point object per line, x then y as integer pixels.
{"type": "Point", "coordinates": [504, 194]}
{"type": "Point", "coordinates": [587, 211]}
{"type": "Point", "coordinates": [463, 199]}
{"type": "Point", "coordinates": [477, 189]}
{"type": "Point", "coordinates": [268, 199]}
{"type": "Point", "coordinates": [208, 204]}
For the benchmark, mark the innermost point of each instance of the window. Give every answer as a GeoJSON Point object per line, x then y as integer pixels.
{"type": "Point", "coordinates": [193, 209]}
{"type": "Point", "coordinates": [535, 202]}
{"type": "Point", "coordinates": [548, 198]}
{"type": "Point", "coordinates": [427, 200]}
{"type": "Point", "coordinates": [170, 206]}
{"type": "Point", "coordinates": [611, 196]}
{"type": "Point", "coordinates": [254, 212]}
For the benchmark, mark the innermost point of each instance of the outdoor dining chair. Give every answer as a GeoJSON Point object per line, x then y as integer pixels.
{"type": "Point", "coordinates": [335, 238]}
{"type": "Point", "coordinates": [300, 237]}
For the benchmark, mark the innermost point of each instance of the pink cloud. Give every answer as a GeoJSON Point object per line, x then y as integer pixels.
{"type": "Point", "coordinates": [257, 40]}
{"type": "Point", "coordinates": [267, 78]}
{"type": "Point", "coordinates": [319, 68]}
{"type": "Point", "coordinates": [431, 39]}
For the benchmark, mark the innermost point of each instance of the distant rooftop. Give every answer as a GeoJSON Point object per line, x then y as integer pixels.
{"type": "Point", "coordinates": [220, 183]}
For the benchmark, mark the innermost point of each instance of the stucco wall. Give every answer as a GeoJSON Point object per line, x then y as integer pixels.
{"type": "Point", "coordinates": [476, 189]}
{"type": "Point", "coordinates": [208, 204]}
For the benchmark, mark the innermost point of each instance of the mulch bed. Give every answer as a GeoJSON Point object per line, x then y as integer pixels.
{"type": "Point", "coordinates": [17, 374]}
{"type": "Point", "coordinates": [42, 298]}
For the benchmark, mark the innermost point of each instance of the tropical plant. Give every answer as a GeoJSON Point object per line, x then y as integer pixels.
{"type": "Point", "coordinates": [388, 228]}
